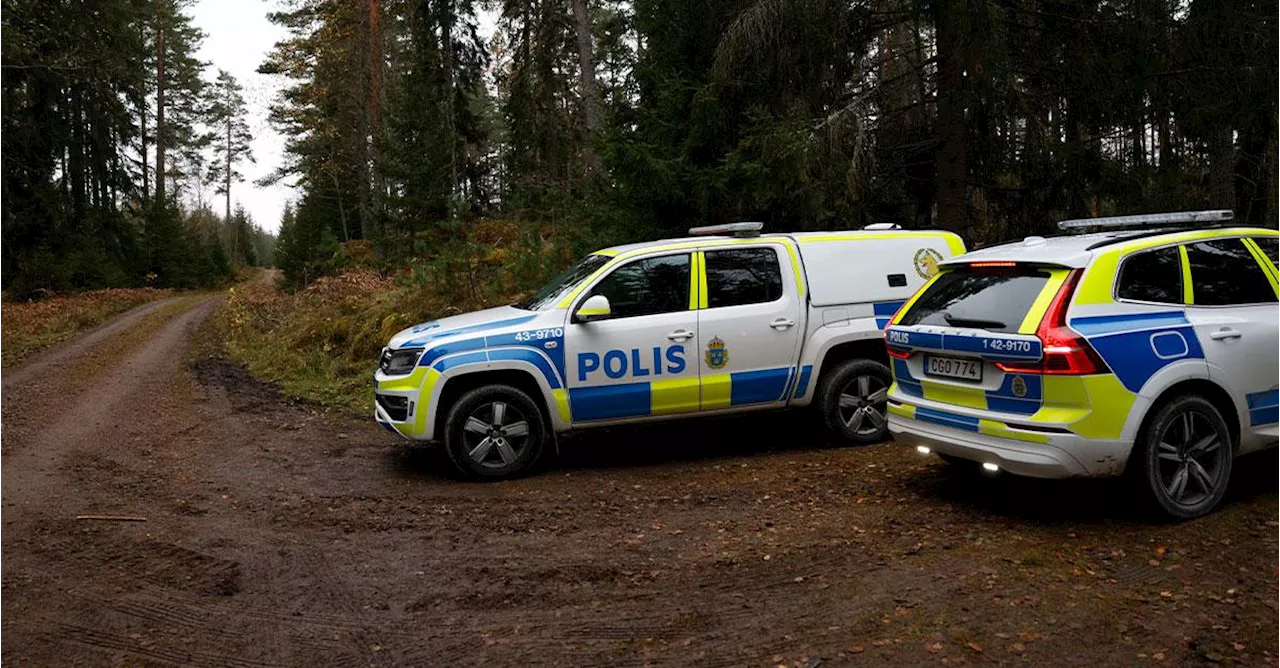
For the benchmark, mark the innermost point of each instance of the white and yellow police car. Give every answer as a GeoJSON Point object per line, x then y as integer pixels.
{"type": "Point", "coordinates": [1149, 348]}
{"type": "Point", "coordinates": [725, 321]}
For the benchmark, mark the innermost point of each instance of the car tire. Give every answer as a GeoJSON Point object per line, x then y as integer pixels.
{"type": "Point", "coordinates": [494, 432]}
{"type": "Point", "coordinates": [853, 399]}
{"type": "Point", "coordinates": [1181, 463]}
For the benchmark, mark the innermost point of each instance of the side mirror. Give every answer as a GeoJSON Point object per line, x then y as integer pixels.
{"type": "Point", "coordinates": [595, 308]}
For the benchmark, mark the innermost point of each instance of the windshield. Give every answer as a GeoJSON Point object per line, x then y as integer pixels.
{"type": "Point", "coordinates": [980, 299]}
{"type": "Point", "coordinates": [562, 284]}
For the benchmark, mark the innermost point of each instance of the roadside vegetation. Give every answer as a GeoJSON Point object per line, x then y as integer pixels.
{"type": "Point", "coordinates": [321, 343]}
{"type": "Point", "coordinates": [32, 326]}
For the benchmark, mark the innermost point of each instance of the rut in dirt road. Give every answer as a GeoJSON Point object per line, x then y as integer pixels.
{"type": "Point", "coordinates": [50, 419]}
{"type": "Point", "coordinates": [59, 357]}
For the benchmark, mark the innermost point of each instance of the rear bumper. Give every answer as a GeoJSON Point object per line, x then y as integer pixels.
{"type": "Point", "coordinates": [1037, 455]}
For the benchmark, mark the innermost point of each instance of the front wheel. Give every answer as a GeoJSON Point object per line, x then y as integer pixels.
{"type": "Point", "coordinates": [854, 398]}
{"type": "Point", "coordinates": [1184, 458]}
{"type": "Point", "coordinates": [494, 432]}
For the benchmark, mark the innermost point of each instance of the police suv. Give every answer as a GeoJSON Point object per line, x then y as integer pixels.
{"type": "Point", "coordinates": [1148, 349]}
{"type": "Point", "coordinates": [724, 321]}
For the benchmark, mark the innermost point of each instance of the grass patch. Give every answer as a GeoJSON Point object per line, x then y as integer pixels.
{"type": "Point", "coordinates": [322, 343]}
{"type": "Point", "coordinates": [30, 327]}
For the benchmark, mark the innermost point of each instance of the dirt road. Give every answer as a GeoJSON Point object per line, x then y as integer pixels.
{"type": "Point", "coordinates": [278, 536]}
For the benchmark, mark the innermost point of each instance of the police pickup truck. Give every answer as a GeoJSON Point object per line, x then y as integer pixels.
{"type": "Point", "coordinates": [724, 321]}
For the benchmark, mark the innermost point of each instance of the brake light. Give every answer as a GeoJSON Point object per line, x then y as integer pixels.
{"type": "Point", "coordinates": [898, 353]}
{"type": "Point", "coordinates": [980, 265]}
{"type": "Point", "coordinates": [1065, 351]}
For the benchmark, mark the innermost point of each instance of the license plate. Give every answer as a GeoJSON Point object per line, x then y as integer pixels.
{"type": "Point", "coordinates": [953, 367]}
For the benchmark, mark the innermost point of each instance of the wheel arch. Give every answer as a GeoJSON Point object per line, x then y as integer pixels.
{"type": "Point", "coordinates": [869, 348]}
{"type": "Point", "coordinates": [514, 375]}
{"type": "Point", "coordinates": [1201, 387]}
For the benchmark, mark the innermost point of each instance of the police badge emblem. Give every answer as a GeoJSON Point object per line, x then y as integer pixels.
{"type": "Point", "coordinates": [717, 353]}
{"type": "Point", "coordinates": [1019, 387]}
{"type": "Point", "coordinates": [926, 261]}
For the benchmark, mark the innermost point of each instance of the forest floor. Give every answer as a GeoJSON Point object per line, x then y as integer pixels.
{"type": "Point", "coordinates": [277, 534]}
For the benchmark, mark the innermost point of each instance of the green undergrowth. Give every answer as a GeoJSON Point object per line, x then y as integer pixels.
{"type": "Point", "coordinates": [321, 343]}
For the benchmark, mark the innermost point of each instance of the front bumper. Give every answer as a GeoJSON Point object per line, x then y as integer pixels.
{"type": "Point", "coordinates": [1026, 453]}
{"type": "Point", "coordinates": [415, 391]}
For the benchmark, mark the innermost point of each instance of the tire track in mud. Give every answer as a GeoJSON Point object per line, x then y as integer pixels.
{"type": "Point", "coordinates": [56, 428]}
{"type": "Point", "coordinates": [59, 357]}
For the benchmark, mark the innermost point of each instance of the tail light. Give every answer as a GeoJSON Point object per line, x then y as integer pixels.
{"type": "Point", "coordinates": [898, 352]}
{"type": "Point", "coordinates": [1065, 351]}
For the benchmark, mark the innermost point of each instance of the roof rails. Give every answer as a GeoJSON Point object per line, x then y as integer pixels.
{"type": "Point", "coordinates": [739, 230]}
{"type": "Point", "coordinates": [1174, 219]}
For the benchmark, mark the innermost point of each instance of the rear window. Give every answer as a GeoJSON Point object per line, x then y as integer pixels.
{"type": "Point", "coordinates": [743, 276]}
{"type": "Point", "coordinates": [1152, 276]}
{"type": "Point", "coordinates": [992, 299]}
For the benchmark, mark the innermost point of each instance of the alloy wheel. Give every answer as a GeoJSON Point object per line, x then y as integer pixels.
{"type": "Point", "coordinates": [1189, 464]}
{"type": "Point", "coordinates": [862, 404]}
{"type": "Point", "coordinates": [496, 434]}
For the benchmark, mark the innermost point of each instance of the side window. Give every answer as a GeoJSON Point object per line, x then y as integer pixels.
{"type": "Point", "coordinates": [1223, 272]}
{"type": "Point", "coordinates": [1270, 246]}
{"type": "Point", "coordinates": [646, 287]}
{"type": "Point", "coordinates": [1152, 276]}
{"type": "Point", "coordinates": [743, 276]}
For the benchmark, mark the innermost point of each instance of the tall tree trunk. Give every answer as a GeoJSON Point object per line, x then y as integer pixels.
{"type": "Point", "coordinates": [952, 152]}
{"type": "Point", "coordinates": [160, 83]}
{"type": "Point", "coordinates": [451, 134]}
{"type": "Point", "coordinates": [1222, 168]}
{"type": "Point", "coordinates": [142, 134]}
{"type": "Point", "coordinates": [228, 174]}
{"type": "Point", "coordinates": [374, 115]}
{"type": "Point", "coordinates": [587, 80]}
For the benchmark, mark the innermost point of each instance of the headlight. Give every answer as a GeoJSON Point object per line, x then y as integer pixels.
{"type": "Point", "coordinates": [399, 362]}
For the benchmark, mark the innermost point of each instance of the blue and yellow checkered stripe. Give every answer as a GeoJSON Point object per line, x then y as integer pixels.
{"type": "Point", "coordinates": [683, 395]}
{"type": "Point", "coordinates": [965, 423]}
{"type": "Point", "coordinates": [1021, 394]}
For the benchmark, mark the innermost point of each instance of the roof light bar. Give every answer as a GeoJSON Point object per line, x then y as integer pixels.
{"type": "Point", "coordinates": [882, 226]}
{"type": "Point", "coordinates": [739, 230]}
{"type": "Point", "coordinates": [1184, 218]}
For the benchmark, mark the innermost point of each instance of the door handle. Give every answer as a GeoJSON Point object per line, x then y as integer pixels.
{"type": "Point", "coordinates": [782, 323]}
{"type": "Point", "coordinates": [680, 335]}
{"type": "Point", "coordinates": [1225, 333]}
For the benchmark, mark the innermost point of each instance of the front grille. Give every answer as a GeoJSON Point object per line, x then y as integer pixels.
{"type": "Point", "coordinates": [397, 408]}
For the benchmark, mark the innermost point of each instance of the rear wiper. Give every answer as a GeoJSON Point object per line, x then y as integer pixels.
{"type": "Point", "coordinates": [972, 322]}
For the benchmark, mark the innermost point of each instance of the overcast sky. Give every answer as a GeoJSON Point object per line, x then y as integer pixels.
{"type": "Point", "coordinates": [237, 39]}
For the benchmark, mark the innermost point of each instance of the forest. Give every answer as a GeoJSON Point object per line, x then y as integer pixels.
{"type": "Point", "coordinates": [411, 124]}
{"type": "Point", "coordinates": [120, 151]}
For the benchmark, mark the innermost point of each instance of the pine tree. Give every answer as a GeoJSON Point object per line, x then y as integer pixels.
{"type": "Point", "coordinates": [228, 135]}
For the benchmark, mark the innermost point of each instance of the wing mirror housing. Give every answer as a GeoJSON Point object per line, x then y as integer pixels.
{"type": "Point", "coordinates": [596, 307]}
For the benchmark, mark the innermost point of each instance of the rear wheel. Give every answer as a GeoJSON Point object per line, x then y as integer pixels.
{"type": "Point", "coordinates": [854, 398]}
{"type": "Point", "coordinates": [1184, 458]}
{"type": "Point", "coordinates": [494, 432]}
